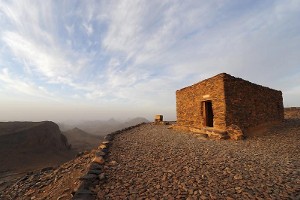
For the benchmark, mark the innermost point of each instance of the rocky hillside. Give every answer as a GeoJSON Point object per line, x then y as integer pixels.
{"type": "Point", "coordinates": [81, 140]}
{"type": "Point", "coordinates": [32, 136]}
{"type": "Point", "coordinates": [31, 145]}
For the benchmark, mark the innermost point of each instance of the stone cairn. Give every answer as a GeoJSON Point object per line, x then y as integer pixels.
{"type": "Point", "coordinates": [95, 175]}
{"type": "Point", "coordinates": [159, 120]}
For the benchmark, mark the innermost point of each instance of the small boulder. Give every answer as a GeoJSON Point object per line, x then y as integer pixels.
{"type": "Point", "coordinates": [89, 177]}
{"type": "Point", "coordinates": [100, 153]}
{"type": "Point", "coordinates": [94, 171]}
{"type": "Point", "coordinates": [95, 166]}
{"type": "Point", "coordinates": [102, 176]}
{"type": "Point", "coordinates": [105, 142]}
{"type": "Point", "coordinates": [235, 132]}
{"type": "Point", "coordinates": [98, 159]}
{"type": "Point", "coordinates": [102, 146]}
{"type": "Point", "coordinates": [113, 163]}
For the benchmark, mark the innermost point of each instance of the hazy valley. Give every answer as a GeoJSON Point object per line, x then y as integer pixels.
{"type": "Point", "coordinates": [100, 127]}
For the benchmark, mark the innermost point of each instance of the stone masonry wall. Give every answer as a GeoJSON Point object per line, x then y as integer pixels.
{"type": "Point", "coordinates": [189, 106]}
{"type": "Point", "coordinates": [249, 105]}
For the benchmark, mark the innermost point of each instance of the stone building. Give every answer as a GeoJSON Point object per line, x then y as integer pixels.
{"type": "Point", "coordinates": [223, 100]}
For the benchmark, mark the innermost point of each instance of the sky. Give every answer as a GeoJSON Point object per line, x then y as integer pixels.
{"type": "Point", "coordinates": [95, 60]}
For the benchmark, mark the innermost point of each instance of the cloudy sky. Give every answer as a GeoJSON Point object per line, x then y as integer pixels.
{"type": "Point", "coordinates": [62, 60]}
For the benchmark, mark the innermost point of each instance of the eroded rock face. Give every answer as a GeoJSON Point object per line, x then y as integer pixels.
{"type": "Point", "coordinates": [234, 132]}
{"type": "Point", "coordinates": [32, 145]}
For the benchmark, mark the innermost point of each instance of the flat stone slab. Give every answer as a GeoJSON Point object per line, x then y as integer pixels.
{"type": "Point", "coordinates": [84, 197]}
{"type": "Point", "coordinates": [98, 159]}
{"type": "Point", "coordinates": [96, 172]}
{"type": "Point", "coordinates": [95, 166]}
{"type": "Point", "coordinates": [88, 177]}
{"type": "Point", "coordinates": [100, 153]}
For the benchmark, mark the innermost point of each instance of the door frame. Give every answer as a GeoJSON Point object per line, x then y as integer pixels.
{"type": "Point", "coordinates": [208, 118]}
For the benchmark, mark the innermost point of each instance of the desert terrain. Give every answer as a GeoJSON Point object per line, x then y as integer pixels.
{"type": "Point", "coordinates": [26, 146]}
{"type": "Point", "coordinates": [155, 162]}
{"type": "Point", "coordinates": [81, 140]}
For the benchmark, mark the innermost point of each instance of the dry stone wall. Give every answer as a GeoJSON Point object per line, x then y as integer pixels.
{"type": "Point", "coordinates": [249, 105]}
{"type": "Point", "coordinates": [189, 106]}
{"type": "Point", "coordinates": [235, 102]}
{"type": "Point", "coordinates": [95, 175]}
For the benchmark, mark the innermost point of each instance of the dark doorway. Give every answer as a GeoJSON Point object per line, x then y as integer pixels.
{"type": "Point", "coordinates": [208, 114]}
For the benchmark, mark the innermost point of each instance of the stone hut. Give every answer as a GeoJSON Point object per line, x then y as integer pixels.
{"type": "Point", "coordinates": [223, 100]}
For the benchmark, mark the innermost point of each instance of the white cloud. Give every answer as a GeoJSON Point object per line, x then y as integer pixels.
{"type": "Point", "coordinates": [139, 52]}
{"type": "Point", "coordinates": [34, 42]}
{"type": "Point", "coordinates": [44, 59]}
{"type": "Point", "coordinates": [16, 84]}
{"type": "Point", "coordinates": [88, 28]}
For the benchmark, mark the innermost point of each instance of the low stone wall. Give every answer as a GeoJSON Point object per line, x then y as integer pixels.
{"type": "Point", "coordinates": [95, 175]}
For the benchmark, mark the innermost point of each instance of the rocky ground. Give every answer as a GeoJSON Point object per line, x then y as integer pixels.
{"type": "Point", "coordinates": [154, 162]}
{"type": "Point", "coordinates": [50, 183]}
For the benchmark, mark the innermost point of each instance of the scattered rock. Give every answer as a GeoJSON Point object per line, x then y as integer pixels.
{"type": "Point", "coordinates": [94, 171]}
{"type": "Point", "coordinates": [99, 160]}
{"type": "Point", "coordinates": [64, 196]}
{"type": "Point", "coordinates": [235, 132]}
{"type": "Point", "coordinates": [198, 169]}
{"type": "Point", "coordinates": [102, 176]}
{"type": "Point", "coordinates": [100, 153]}
{"type": "Point", "coordinates": [102, 146]}
{"type": "Point", "coordinates": [95, 166]}
{"type": "Point", "coordinates": [237, 177]}
{"type": "Point", "coordinates": [159, 163]}
{"type": "Point", "coordinates": [113, 163]}
{"type": "Point", "coordinates": [88, 177]}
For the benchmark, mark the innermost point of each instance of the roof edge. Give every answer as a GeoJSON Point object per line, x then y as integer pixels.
{"type": "Point", "coordinates": [223, 75]}
{"type": "Point", "coordinates": [215, 76]}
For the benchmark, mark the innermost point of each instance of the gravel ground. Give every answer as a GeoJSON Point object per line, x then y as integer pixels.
{"type": "Point", "coordinates": [154, 162]}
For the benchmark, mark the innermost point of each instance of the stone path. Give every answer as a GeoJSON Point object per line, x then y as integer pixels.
{"type": "Point", "coordinates": [153, 162]}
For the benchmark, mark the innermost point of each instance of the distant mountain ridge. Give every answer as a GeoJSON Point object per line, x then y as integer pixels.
{"type": "Point", "coordinates": [99, 127]}
{"type": "Point", "coordinates": [15, 126]}
{"type": "Point", "coordinates": [81, 141]}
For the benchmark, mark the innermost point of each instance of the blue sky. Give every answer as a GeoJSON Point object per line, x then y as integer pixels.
{"type": "Point", "coordinates": [63, 60]}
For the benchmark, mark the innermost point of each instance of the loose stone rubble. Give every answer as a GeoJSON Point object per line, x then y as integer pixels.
{"type": "Point", "coordinates": [94, 177]}
{"type": "Point", "coordinates": [50, 183]}
{"type": "Point", "coordinates": [154, 162]}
